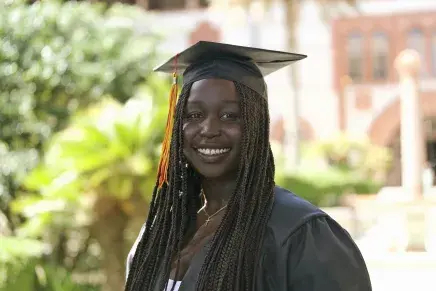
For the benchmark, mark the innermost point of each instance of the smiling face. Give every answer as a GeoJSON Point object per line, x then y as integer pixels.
{"type": "Point", "coordinates": [212, 128]}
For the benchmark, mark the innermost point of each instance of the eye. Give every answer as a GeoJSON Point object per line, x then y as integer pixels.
{"type": "Point", "coordinates": [193, 115]}
{"type": "Point", "coordinates": [230, 116]}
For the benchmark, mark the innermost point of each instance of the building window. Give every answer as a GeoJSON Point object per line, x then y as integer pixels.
{"type": "Point", "coordinates": [416, 41]}
{"type": "Point", "coordinates": [380, 56]}
{"type": "Point", "coordinates": [166, 4]}
{"type": "Point", "coordinates": [355, 57]}
{"type": "Point", "coordinates": [204, 3]}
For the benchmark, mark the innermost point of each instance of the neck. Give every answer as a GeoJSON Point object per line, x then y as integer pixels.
{"type": "Point", "coordinates": [218, 191]}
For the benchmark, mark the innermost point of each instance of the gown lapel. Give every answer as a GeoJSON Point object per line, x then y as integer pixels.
{"type": "Point", "coordinates": [190, 279]}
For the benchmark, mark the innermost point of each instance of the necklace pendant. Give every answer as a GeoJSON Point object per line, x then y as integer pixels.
{"type": "Point", "coordinates": [207, 221]}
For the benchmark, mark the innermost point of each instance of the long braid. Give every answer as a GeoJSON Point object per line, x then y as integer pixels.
{"type": "Point", "coordinates": [237, 241]}
{"type": "Point", "coordinates": [165, 226]}
{"type": "Point", "coordinates": [249, 208]}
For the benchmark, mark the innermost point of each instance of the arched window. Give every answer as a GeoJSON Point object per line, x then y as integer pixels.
{"type": "Point", "coordinates": [380, 56]}
{"type": "Point", "coordinates": [416, 41]}
{"type": "Point", "coordinates": [204, 3]}
{"type": "Point", "coordinates": [166, 4]}
{"type": "Point", "coordinates": [355, 56]}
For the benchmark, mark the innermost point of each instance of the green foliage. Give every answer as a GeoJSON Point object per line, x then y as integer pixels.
{"type": "Point", "coordinates": [53, 278]}
{"type": "Point", "coordinates": [326, 187]}
{"type": "Point", "coordinates": [336, 167]}
{"type": "Point", "coordinates": [359, 156]}
{"type": "Point", "coordinates": [55, 59]}
{"type": "Point", "coordinates": [18, 258]}
{"type": "Point", "coordinates": [58, 62]}
{"type": "Point", "coordinates": [111, 150]}
{"type": "Point", "coordinates": [14, 166]}
{"type": "Point", "coordinates": [22, 269]}
{"type": "Point", "coordinates": [112, 146]}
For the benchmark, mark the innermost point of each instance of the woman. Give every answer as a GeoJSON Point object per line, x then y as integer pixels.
{"type": "Point", "coordinates": [217, 221]}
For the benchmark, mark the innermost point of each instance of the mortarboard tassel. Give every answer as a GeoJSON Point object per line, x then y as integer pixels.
{"type": "Point", "coordinates": [165, 155]}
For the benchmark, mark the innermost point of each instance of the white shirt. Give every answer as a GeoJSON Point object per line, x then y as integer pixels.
{"type": "Point", "coordinates": [170, 285]}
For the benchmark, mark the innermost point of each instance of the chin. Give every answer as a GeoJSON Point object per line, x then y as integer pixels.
{"type": "Point", "coordinates": [214, 168]}
{"type": "Point", "coordinates": [211, 174]}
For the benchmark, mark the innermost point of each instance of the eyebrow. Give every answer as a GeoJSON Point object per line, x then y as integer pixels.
{"type": "Point", "coordinates": [202, 102]}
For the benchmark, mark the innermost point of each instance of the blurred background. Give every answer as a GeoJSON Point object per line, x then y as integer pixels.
{"type": "Point", "coordinates": [82, 116]}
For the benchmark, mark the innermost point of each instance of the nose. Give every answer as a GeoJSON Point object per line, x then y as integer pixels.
{"type": "Point", "coordinates": [210, 127]}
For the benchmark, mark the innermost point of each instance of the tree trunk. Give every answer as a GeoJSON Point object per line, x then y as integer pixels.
{"type": "Point", "coordinates": [108, 228]}
{"type": "Point", "coordinates": [291, 120]}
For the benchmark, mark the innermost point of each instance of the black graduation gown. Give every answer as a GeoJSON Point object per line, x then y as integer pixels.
{"type": "Point", "coordinates": [303, 249]}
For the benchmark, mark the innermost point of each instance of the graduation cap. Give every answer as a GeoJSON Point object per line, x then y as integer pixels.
{"type": "Point", "coordinates": [207, 60]}
{"type": "Point", "coordinates": [246, 65]}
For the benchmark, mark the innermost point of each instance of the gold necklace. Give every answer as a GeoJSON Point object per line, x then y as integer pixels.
{"type": "Point", "coordinates": [209, 217]}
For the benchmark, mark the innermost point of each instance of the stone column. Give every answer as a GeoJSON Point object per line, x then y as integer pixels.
{"type": "Point", "coordinates": [412, 149]}
{"type": "Point", "coordinates": [412, 137]}
{"type": "Point", "coordinates": [345, 81]}
{"type": "Point", "coordinates": [142, 3]}
{"type": "Point", "coordinates": [192, 4]}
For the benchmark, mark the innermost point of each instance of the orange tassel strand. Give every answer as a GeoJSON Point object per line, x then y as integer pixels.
{"type": "Point", "coordinates": [165, 155]}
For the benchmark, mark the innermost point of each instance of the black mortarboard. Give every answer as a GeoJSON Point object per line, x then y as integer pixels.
{"type": "Point", "coordinates": [246, 65]}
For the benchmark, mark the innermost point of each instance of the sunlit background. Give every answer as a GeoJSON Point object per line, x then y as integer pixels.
{"type": "Point", "coordinates": [82, 115]}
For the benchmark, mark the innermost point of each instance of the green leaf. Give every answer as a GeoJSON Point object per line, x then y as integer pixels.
{"type": "Point", "coordinates": [14, 248]}
{"type": "Point", "coordinates": [120, 187]}
{"type": "Point", "coordinates": [97, 177]}
{"type": "Point", "coordinates": [124, 137]}
{"type": "Point", "coordinates": [35, 227]}
{"type": "Point", "coordinates": [57, 58]}
{"type": "Point", "coordinates": [21, 203]}
{"type": "Point", "coordinates": [38, 178]}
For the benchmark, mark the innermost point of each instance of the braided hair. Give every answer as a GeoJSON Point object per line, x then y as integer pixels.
{"type": "Point", "coordinates": [232, 258]}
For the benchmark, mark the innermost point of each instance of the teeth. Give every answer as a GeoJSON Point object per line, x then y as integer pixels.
{"type": "Point", "coordinates": [212, 152]}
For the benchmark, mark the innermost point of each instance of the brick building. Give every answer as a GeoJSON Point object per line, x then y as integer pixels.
{"type": "Point", "coordinates": [365, 48]}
